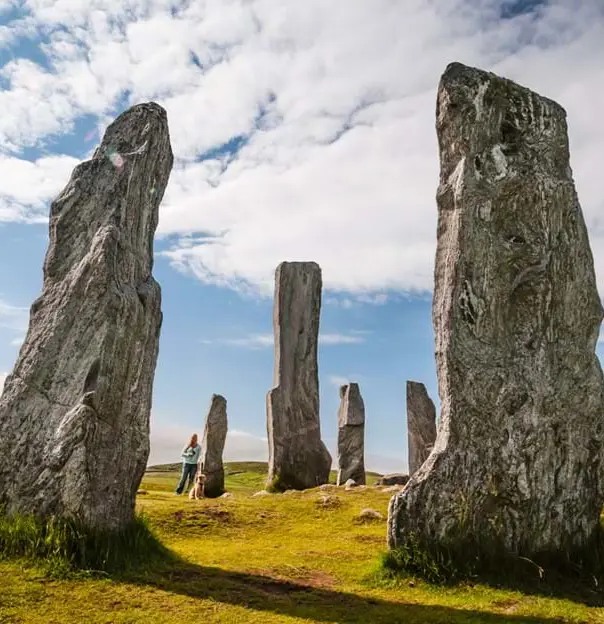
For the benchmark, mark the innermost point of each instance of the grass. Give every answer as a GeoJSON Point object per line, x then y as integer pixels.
{"type": "Point", "coordinates": [286, 558]}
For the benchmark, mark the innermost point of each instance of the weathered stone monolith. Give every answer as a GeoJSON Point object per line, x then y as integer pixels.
{"type": "Point", "coordinates": [351, 435]}
{"type": "Point", "coordinates": [74, 413]}
{"type": "Point", "coordinates": [421, 424]}
{"type": "Point", "coordinates": [298, 459]}
{"type": "Point", "coordinates": [518, 459]}
{"type": "Point", "coordinates": [212, 447]}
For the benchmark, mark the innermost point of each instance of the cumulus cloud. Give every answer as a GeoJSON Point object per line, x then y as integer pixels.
{"type": "Point", "coordinates": [301, 131]}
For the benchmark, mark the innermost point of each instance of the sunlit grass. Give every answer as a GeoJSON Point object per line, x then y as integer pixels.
{"type": "Point", "coordinates": [276, 558]}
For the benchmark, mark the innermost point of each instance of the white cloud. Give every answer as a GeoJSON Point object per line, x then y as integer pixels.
{"type": "Point", "coordinates": [27, 187]}
{"type": "Point", "coordinates": [167, 442]}
{"type": "Point", "coordinates": [337, 339]}
{"type": "Point", "coordinates": [17, 342]}
{"type": "Point", "coordinates": [336, 101]}
{"type": "Point", "coordinates": [262, 341]}
{"type": "Point", "coordinates": [254, 341]}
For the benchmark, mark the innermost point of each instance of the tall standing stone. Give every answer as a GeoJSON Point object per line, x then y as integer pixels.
{"type": "Point", "coordinates": [518, 459]}
{"type": "Point", "coordinates": [74, 413]}
{"type": "Point", "coordinates": [351, 435]}
{"type": "Point", "coordinates": [421, 424]}
{"type": "Point", "coordinates": [212, 447]}
{"type": "Point", "coordinates": [298, 459]}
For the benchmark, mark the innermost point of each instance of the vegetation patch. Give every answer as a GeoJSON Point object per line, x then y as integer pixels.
{"type": "Point", "coordinates": [65, 546]}
{"type": "Point", "coordinates": [474, 560]}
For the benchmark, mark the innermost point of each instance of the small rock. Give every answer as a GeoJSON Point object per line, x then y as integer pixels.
{"type": "Point", "coordinates": [393, 488]}
{"type": "Point", "coordinates": [262, 493]}
{"type": "Point", "coordinates": [140, 492]}
{"type": "Point", "coordinates": [329, 501]}
{"type": "Point", "coordinates": [290, 491]}
{"type": "Point", "coordinates": [327, 486]}
{"type": "Point", "coordinates": [351, 483]}
{"type": "Point", "coordinates": [226, 495]}
{"type": "Point", "coordinates": [370, 515]}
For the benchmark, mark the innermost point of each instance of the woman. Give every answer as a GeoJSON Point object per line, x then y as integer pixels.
{"type": "Point", "coordinates": [190, 455]}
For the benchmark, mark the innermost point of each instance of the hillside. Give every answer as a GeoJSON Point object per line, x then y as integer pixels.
{"type": "Point", "coordinates": [272, 559]}
{"type": "Point", "coordinates": [249, 468]}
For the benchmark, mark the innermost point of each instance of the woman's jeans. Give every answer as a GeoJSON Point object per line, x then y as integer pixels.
{"type": "Point", "coordinates": [188, 472]}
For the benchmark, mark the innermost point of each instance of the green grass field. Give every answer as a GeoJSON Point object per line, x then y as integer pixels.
{"type": "Point", "coordinates": [279, 558]}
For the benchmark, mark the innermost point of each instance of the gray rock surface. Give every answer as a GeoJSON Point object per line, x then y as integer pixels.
{"type": "Point", "coordinates": [351, 435]}
{"type": "Point", "coordinates": [421, 424]}
{"type": "Point", "coordinates": [518, 457]}
{"type": "Point", "coordinates": [212, 447]}
{"type": "Point", "coordinates": [298, 459]}
{"type": "Point", "coordinates": [393, 479]}
{"type": "Point", "coordinates": [74, 414]}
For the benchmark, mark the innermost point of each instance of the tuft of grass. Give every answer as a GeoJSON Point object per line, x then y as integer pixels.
{"type": "Point", "coordinates": [64, 546]}
{"type": "Point", "coordinates": [489, 562]}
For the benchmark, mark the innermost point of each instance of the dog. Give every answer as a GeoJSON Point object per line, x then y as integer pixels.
{"type": "Point", "coordinates": [196, 492]}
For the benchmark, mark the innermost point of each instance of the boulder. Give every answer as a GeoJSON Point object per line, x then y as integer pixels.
{"type": "Point", "coordinates": [212, 447]}
{"type": "Point", "coordinates": [298, 459]}
{"type": "Point", "coordinates": [517, 465]}
{"type": "Point", "coordinates": [74, 413]}
{"type": "Point", "coordinates": [351, 435]}
{"type": "Point", "coordinates": [393, 479]}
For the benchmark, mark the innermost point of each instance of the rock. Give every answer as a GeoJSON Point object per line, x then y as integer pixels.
{"type": "Point", "coordinates": [74, 414]}
{"type": "Point", "coordinates": [518, 459]}
{"type": "Point", "coordinates": [298, 459]}
{"type": "Point", "coordinates": [329, 501]}
{"type": "Point", "coordinates": [328, 486]}
{"type": "Point", "coordinates": [226, 495]}
{"type": "Point", "coordinates": [393, 479]}
{"type": "Point", "coordinates": [393, 488]}
{"type": "Point", "coordinates": [351, 435]}
{"type": "Point", "coordinates": [350, 484]}
{"type": "Point", "coordinates": [262, 493]}
{"type": "Point", "coordinates": [421, 424]}
{"type": "Point", "coordinates": [370, 515]}
{"type": "Point", "coordinates": [141, 492]}
{"type": "Point", "coordinates": [212, 447]}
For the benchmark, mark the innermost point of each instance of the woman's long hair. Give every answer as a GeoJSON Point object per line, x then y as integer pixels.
{"type": "Point", "coordinates": [193, 441]}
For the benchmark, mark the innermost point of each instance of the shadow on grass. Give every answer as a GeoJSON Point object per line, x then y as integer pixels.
{"type": "Point", "coordinates": [264, 593]}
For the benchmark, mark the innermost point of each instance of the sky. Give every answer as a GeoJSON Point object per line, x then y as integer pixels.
{"type": "Point", "coordinates": [301, 131]}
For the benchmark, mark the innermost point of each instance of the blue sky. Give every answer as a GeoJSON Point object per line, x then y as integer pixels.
{"type": "Point", "coordinates": [301, 131]}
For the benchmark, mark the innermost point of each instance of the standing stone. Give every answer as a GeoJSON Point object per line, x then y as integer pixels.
{"type": "Point", "coordinates": [518, 459]}
{"type": "Point", "coordinates": [421, 424]}
{"type": "Point", "coordinates": [351, 435]}
{"type": "Point", "coordinates": [74, 414]}
{"type": "Point", "coordinates": [298, 459]}
{"type": "Point", "coordinates": [212, 447]}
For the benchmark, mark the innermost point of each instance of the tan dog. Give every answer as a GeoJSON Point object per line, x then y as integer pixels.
{"type": "Point", "coordinates": [196, 492]}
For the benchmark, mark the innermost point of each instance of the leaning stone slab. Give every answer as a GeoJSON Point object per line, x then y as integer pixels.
{"type": "Point", "coordinates": [351, 435]}
{"type": "Point", "coordinates": [421, 424]}
{"type": "Point", "coordinates": [298, 459]}
{"type": "Point", "coordinates": [74, 414]}
{"type": "Point", "coordinates": [212, 447]}
{"type": "Point", "coordinates": [518, 459]}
